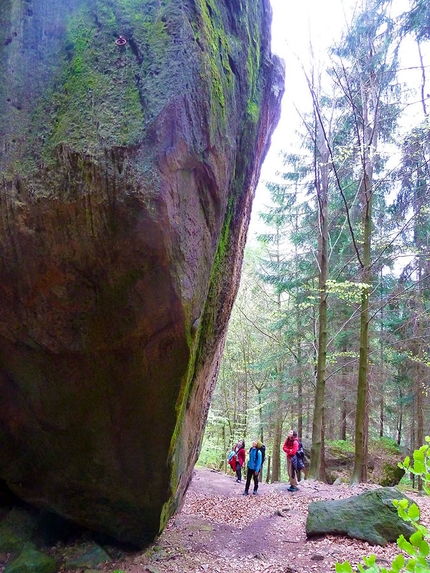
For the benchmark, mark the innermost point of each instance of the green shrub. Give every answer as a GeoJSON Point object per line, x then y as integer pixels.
{"type": "Point", "coordinates": [417, 548]}
{"type": "Point", "coordinates": [340, 445]}
{"type": "Point", "coordinates": [384, 443]}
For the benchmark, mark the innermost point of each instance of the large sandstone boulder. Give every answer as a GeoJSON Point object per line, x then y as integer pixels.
{"type": "Point", "coordinates": [370, 517]}
{"type": "Point", "coordinates": [131, 139]}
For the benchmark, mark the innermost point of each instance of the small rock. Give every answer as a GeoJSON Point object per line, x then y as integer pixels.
{"type": "Point", "coordinates": [262, 556]}
{"type": "Point", "coordinates": [88, 557]}
{"type": "Point", "coordinates": [32, 561]}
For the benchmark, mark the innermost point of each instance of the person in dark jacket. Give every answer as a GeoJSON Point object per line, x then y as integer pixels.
{"type": "Point", "coordinates": [300, 459]}
{"type": "Point", "coordinates": [253, 468]}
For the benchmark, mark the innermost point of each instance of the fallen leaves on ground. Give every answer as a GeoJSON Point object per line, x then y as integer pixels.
{"type": "Point", "coordinates": [217, 533]}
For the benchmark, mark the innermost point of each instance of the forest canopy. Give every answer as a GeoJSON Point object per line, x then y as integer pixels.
{"type": "Point", "coordinates": [330, 329]}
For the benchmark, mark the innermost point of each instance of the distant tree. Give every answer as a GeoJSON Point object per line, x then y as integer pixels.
{"type": "Point", "coordinates": [366, 68]}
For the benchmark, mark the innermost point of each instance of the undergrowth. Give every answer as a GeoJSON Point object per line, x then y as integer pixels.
{"type": "Point", "coordinates": [415, 551]}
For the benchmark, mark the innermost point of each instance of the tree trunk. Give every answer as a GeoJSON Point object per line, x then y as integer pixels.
{"type": "Point", "coordinates": [316, 470]}
{"type": "Point", "coordinates": [361, 415]}
{"type": "Point", "coordinates": [279, 420]}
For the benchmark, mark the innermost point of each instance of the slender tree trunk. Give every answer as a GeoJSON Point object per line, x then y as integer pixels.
{"type": "Point", "coordinates": [224, 443]}
{"type": "Point", "coordinates": [316, 470]}
{"type": "Point", "coordinates": [419, 387]}
{"type": "Point", "coordinates": [369, 134]}
{"type": "Point", "coordinates": [343, 393]}
{"type": "Point", "coordinates": [400, 421]}
{"type": "Point", "coordinates": [277, 445]}
{"type": "Point", "coordinates": [361, 415]}
{"type": "Point", "coordinates": [343, 416]}
{"type": "Point", "coordinates": [382, 363]}
{"type": "Point", "coordinates": [423, 80]}
{"type": "Point", "coordinates": [359, 472]}
{"type": "Point", "coordinates": [299, 390]}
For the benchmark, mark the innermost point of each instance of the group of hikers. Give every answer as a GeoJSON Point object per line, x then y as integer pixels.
{"type": "Point", "coordinates": [295, 461]}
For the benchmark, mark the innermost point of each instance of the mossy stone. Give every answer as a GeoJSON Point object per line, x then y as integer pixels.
{"type": "Point", "coordinates": [391, 475]}
{"type": "Point", "coordinates": [32, 561]}
{"type": "Point", "coordinates": [89, 558]}
{"type": "Point", "coordinates": [16, 529]}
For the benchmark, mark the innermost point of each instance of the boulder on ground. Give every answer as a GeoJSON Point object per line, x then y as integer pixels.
{"type": "Point", "coordinates": [132, 135]}
{"type": "Point", "coordinates": [370, 517]}
{"type": "Point", "coordinates": [391, 474]}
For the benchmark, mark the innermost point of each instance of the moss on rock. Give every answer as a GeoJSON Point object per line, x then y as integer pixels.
{"type": "Point", "coordinates": [127, 191]}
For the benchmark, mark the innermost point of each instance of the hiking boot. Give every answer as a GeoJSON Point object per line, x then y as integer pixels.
{"type": "Point", "coordinates": [255, 492]}
{"type": "Point", "coordinates": [292, 488]}
{"type": "Point", "coordinates": [238, 481]}
{"type": "Point", "coordinates": [245, 493]}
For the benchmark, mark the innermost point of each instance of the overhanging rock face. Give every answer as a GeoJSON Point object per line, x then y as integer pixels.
{"type": "Point", "coordinates": [131, 138]}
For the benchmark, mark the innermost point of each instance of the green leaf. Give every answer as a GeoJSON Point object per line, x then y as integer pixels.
{"type": "Point", "coordinates": [372, 569]}
{"type": "Point", "coordinates": [406, 546]}
{"type": "Point", "coordinates": [343, 567]}
{"type": "Point", "coordinates": [416, 538]}
{"type": "Point", "coordinates": [403, 503]}
{"type": "Point", "coordinates": [411, 565]}
{"type": "Point", "coordinates": [424, 566]}
{"type": "Point", "coordinates": [398, 563]}
{"type": "Point", "coordinates": [424, 548]}
{"type": "Point", "coordinates": [414, 512]}
{"type": "Point", "coordinates": [421, 529]}
{"type": "Point", "coordinates": [419, 467]}
{"type": "Point", "coordinates": [406, 463]}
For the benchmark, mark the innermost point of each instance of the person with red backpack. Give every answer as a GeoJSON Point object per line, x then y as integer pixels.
{"type": "Point", "coordinates": [236, 459]}
{"type": "Point", "coordinates": [239, 449]}
{"type": "Point", "coordinates": [290, 447]}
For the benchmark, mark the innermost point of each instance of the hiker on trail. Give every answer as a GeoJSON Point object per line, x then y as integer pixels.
{"type": "Point", "coordinates": [254, 465]}
{"type": "Point", "coordinates": [291, 445]}
{"type": "Point", "coordinates": [239, 450]}
{"type": "Point", "coordinates": [300, 459]}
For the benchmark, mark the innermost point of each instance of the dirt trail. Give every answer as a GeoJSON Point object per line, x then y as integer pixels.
{"type": "Point", "coordinates": [220, 530]}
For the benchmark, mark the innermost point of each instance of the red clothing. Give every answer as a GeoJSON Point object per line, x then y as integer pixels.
{"type": "Point", "coordinates": [290, 447]}
{"type": "Point", "coordinates": [232, 463]}
{"type": "Point", "coordinates": [238, 458]}
{"type": "Point", "coordinates": [241, 456]}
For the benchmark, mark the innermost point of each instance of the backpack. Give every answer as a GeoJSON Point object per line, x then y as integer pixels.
{"type": "Point", "coordinates": [231, 455]}
{"type": "Point", "coordinates": [300, 452]}
{"type": "Point", "coordinates": [263, 453]}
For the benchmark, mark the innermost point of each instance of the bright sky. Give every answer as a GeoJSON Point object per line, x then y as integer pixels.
{"type": "Point", "coordinates": [294, 23]}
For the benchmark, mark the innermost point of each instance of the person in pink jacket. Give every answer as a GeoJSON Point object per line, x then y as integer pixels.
{"type": "Point", "coordinates": [291, 445]}
{"type": "Point", "coordinates": [240, 459]}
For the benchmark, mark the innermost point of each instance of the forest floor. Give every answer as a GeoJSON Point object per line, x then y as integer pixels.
{"type": "Point", "coordinates": [218, 530]}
